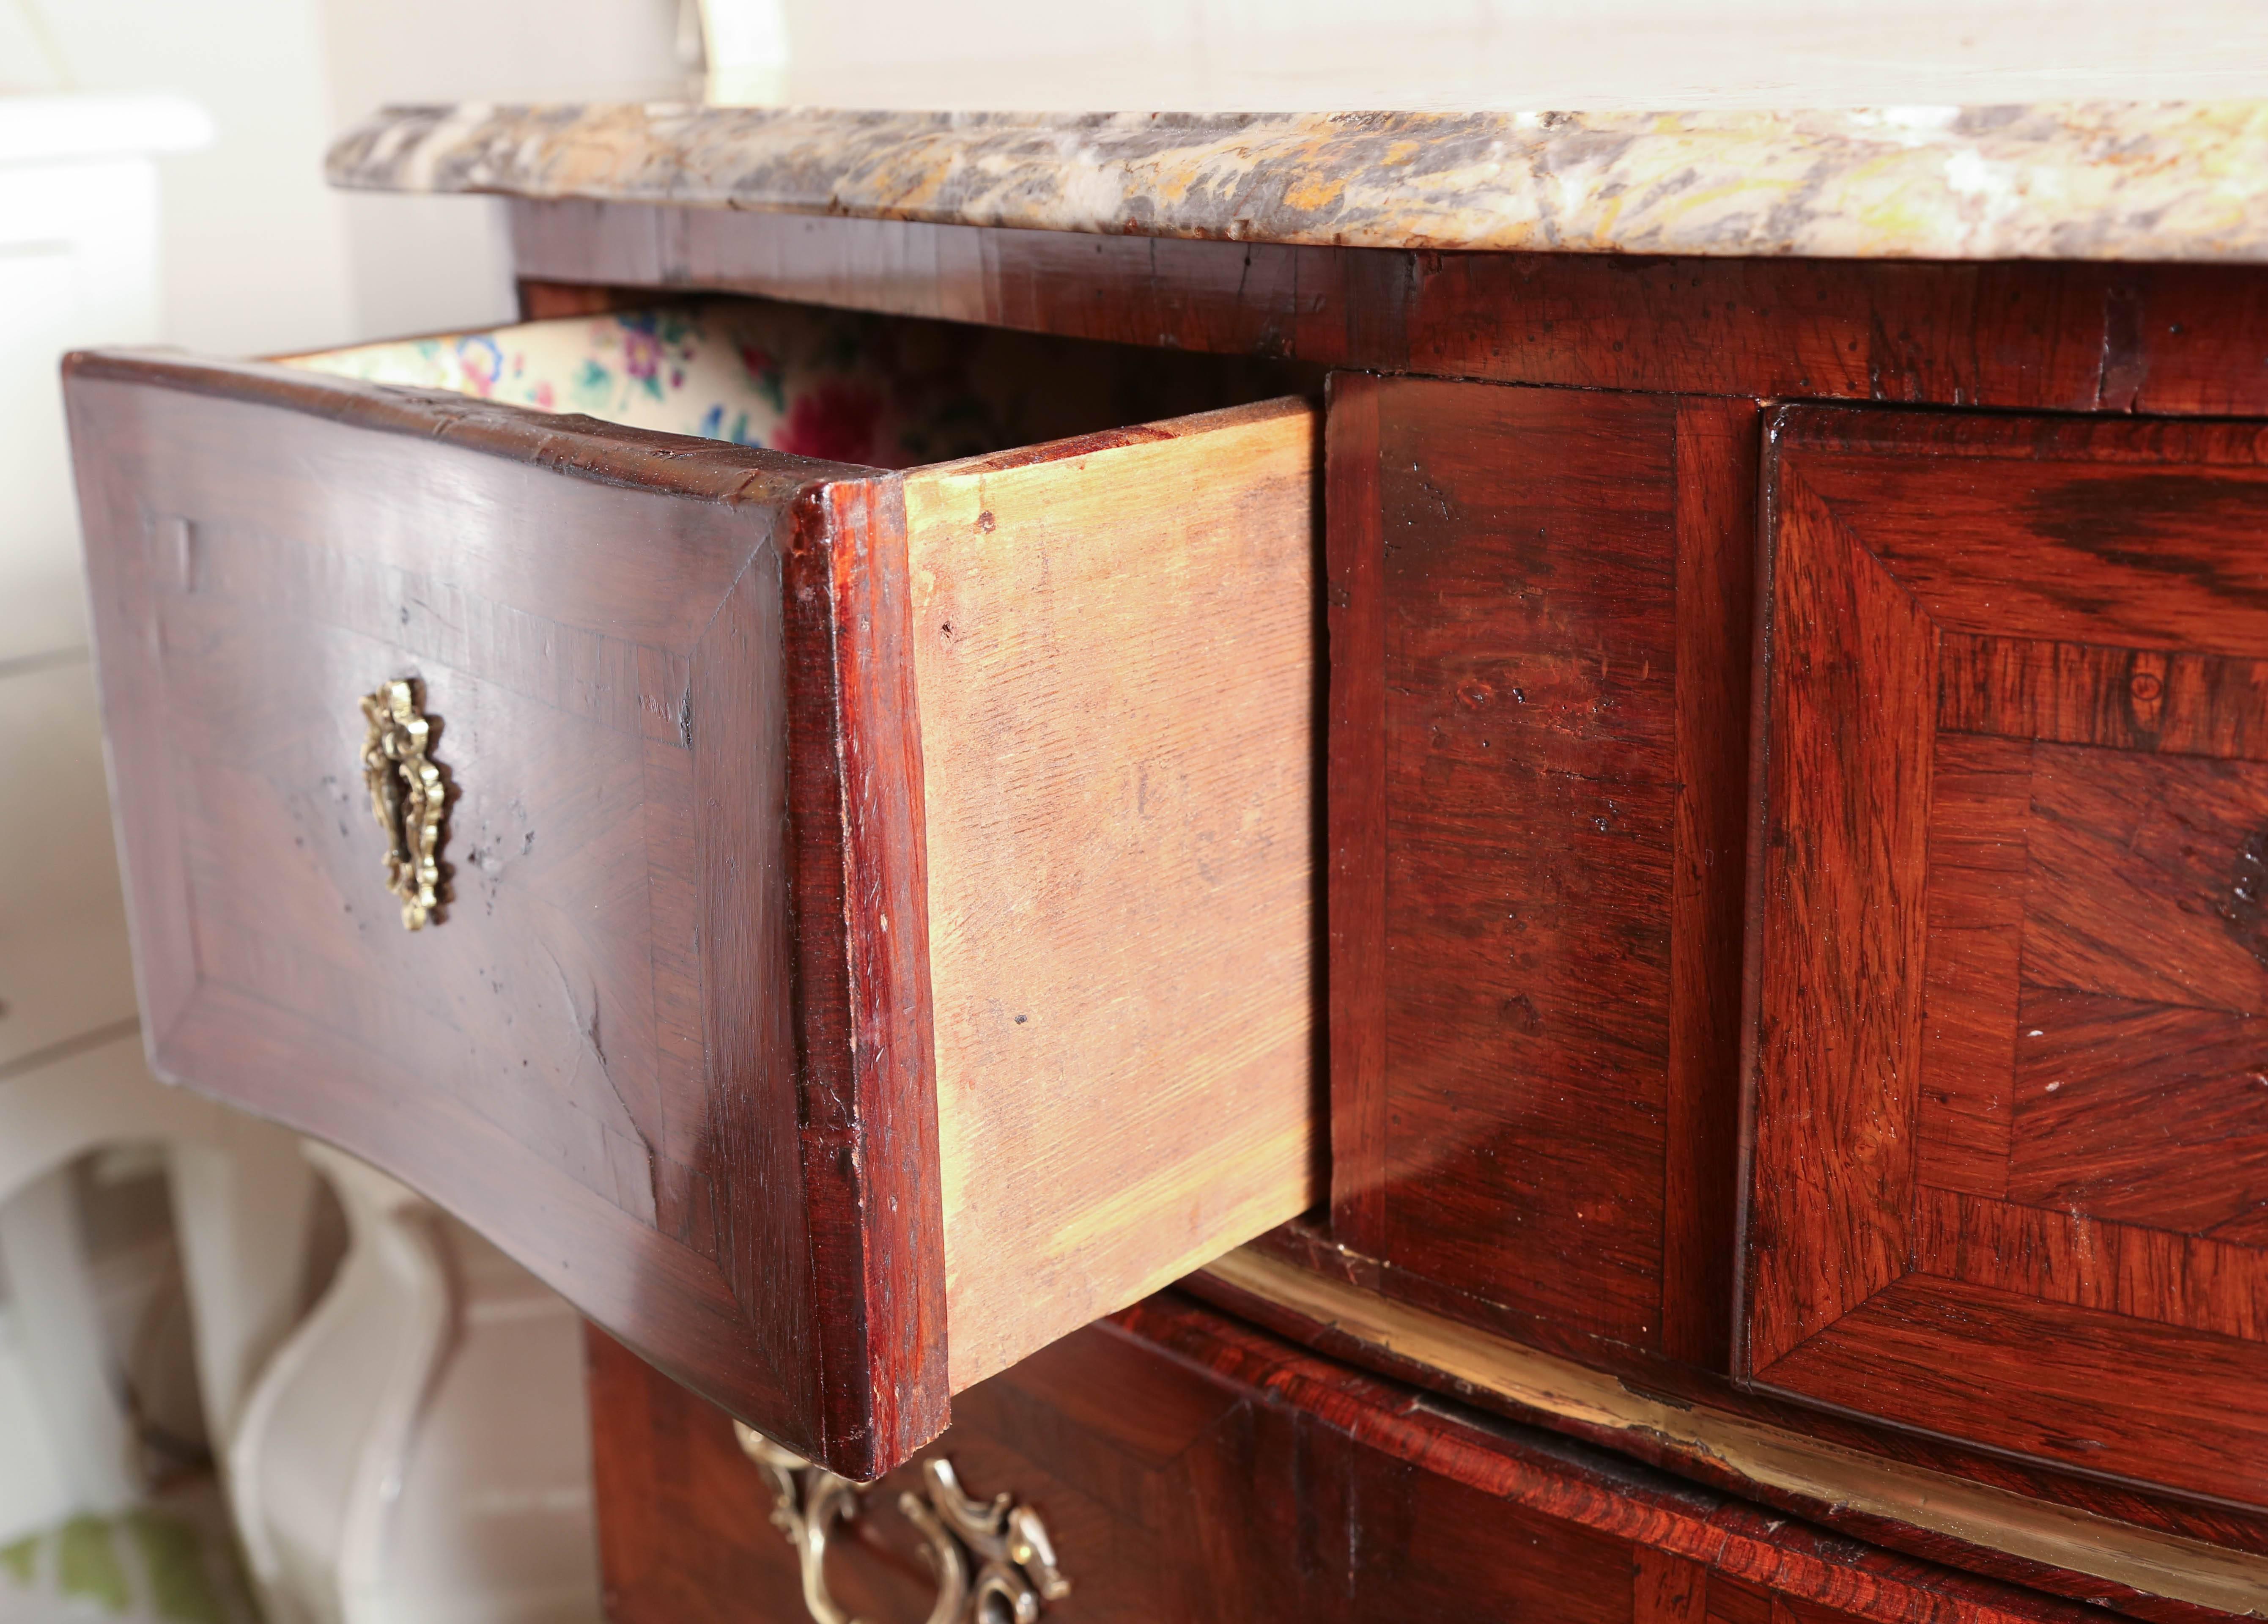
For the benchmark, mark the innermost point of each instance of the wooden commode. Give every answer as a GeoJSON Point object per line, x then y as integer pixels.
{"type": "Point", "coordinates": [1307, 867]}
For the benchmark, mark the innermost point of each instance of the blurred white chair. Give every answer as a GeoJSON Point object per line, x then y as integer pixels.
{"type": "Point", "coordinates": [78, 244]}
{"type": "Point", "coordinates": [419, 1452]}
{"type": "Point", "coordinates": [240, 1194]}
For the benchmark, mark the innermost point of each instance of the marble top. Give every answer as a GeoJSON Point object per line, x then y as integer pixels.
{"type": "Point", "coordinates": [2089, 181]}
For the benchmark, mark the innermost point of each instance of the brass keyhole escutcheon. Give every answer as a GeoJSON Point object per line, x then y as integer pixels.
{"type": "Point", "coordinates": [408, 796]}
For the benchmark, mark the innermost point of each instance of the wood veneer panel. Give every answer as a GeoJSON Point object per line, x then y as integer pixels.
{"type": "Point", "coordinates": [2083, 693]}
{"type": "Point", "coordinates": [2062, 337]}
{"type": "Point", "coordinates": [1979, 848]}
{"type": "Point", "coordinates": [1531, 673]}
{"type": "Point", "coordinates": [2091, 1132]}
{"type": "Point", "coordinates": [1192, 1469]}
{"type": "Point", "coordinates": [1355, 810]}
{"type": "Point", "coordinates": [1115, 654]}
{"type": "Point", "coordinates": [2062, 1255]}
{"type": "Point", "coordinates": [1842, 935]}
{"type": "Point", "coordinates": [1538, 752]}
{"type": "Point", "coordinates": [1718, 442]}
{"type": "Point", "coordinates": [2030, 830]}
{"type": "Point", "coordinates": [2043, 1391]}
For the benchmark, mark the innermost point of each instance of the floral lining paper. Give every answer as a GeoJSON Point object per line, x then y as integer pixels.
{"type": "Point", "coordinates": [841, 385]}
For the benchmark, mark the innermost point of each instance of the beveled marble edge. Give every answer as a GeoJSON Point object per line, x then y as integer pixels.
{"type": "Point", "coordinates": [2092, 180]}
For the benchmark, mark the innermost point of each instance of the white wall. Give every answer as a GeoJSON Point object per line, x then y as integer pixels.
{"type": "Point", "coordinates": [250, 242]}
{"type": "Point", "coordinates": [255, 254]}
{"type": "Point", "coordinates": [259, 255]}
{"type": "Point", "coordinates": [1327, 55]}
{"type": "Point", "coordinates": [419, 264]}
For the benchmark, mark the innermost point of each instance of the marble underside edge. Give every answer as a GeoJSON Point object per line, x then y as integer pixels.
{"type": "Point", "coordinates": [2098, 180]}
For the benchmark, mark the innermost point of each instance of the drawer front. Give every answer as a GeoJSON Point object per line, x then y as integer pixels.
{"type": "Point", "coordinates": [1187, 1469]}
{"type": "Point", "coordinates": [667, 1035]}
{"type": "Point", "coordinates": [2009, 1143]}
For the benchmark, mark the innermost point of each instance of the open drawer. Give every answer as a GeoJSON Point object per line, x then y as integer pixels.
{"type": "Point", "coordinates": [869, 925]}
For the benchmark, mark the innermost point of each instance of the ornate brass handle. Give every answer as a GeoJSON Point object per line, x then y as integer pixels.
{"type": "Point", "coordinates": [408, 796]}
{"type": "Point", "coordinates": [993, 1560]}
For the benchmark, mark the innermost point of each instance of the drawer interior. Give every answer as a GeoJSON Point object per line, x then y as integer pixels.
{"type": "Point", "coordinates": [839, 386]}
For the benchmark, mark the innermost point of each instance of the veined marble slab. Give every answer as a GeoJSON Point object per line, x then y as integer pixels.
{"type": "Point", "coordinates": [2093, 180]}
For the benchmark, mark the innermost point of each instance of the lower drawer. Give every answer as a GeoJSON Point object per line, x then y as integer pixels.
{"type": "Point", "coordinates": [858, 921]}
{"type": "Point", "coordinates": [1187, 1469]}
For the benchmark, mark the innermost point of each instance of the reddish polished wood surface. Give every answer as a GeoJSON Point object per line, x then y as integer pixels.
{"type": "Point", "coordinates": [1502, 1162]}
{"type": "Point", "coordinates": [659, 1048]}
{"type": "Point", "coordinates": [2185, 339]}
{"type": "Point", "coordinates": [2007, 1155]}
{"type": "Point", "coordinates": [1544, 1144]}
{"type": "Point", "coordinates": [1860, 1474]}
{"type": "Point", "coordinates": [1192, 1468]}
{"type": "Point", "coordinates": [1539, 603]}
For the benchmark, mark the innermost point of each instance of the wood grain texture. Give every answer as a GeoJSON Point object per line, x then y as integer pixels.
{"type": "Point", "coordinates": [2062, 1255]}
{"type": "Point", "coordinates": [1540, 944]}
{"type": "Point", "coordinates": [1718, 447]}
{"type": "Point", "coordinates": [867, 1117]}
{"type": "Point", "coordinates": [1191, 1468]}
{"type": "Point", "coordinates": [2161, 339]}
{"type": "Point", "coordinates": [1116, 653]}
{"type": "Point", "coordinates": [1840, 939]}
{"type": "Point", "coordinates": [2038, 1230]}
{"type": "Point", "coordinates": [2061, 1362]}
{"type": "Point", "coordinates": [1978, 841]}
{"type": "Point", "coordinates": [1355, 810]}
{"type": "Point", "coordinates": [1530, 587]}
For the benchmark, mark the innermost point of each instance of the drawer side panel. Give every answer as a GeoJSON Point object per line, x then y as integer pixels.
{"type": "Point", "coordinates": [1116, 642]}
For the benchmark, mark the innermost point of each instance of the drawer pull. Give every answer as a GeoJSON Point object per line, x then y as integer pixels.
{"type": "Point", "coordinates": [993, 1559]}
{"type": "Point", "coordinates": [408, 796]}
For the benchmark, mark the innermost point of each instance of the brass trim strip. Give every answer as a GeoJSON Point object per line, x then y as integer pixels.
{"type": "Point", "coordinates": [2156, 1564]}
